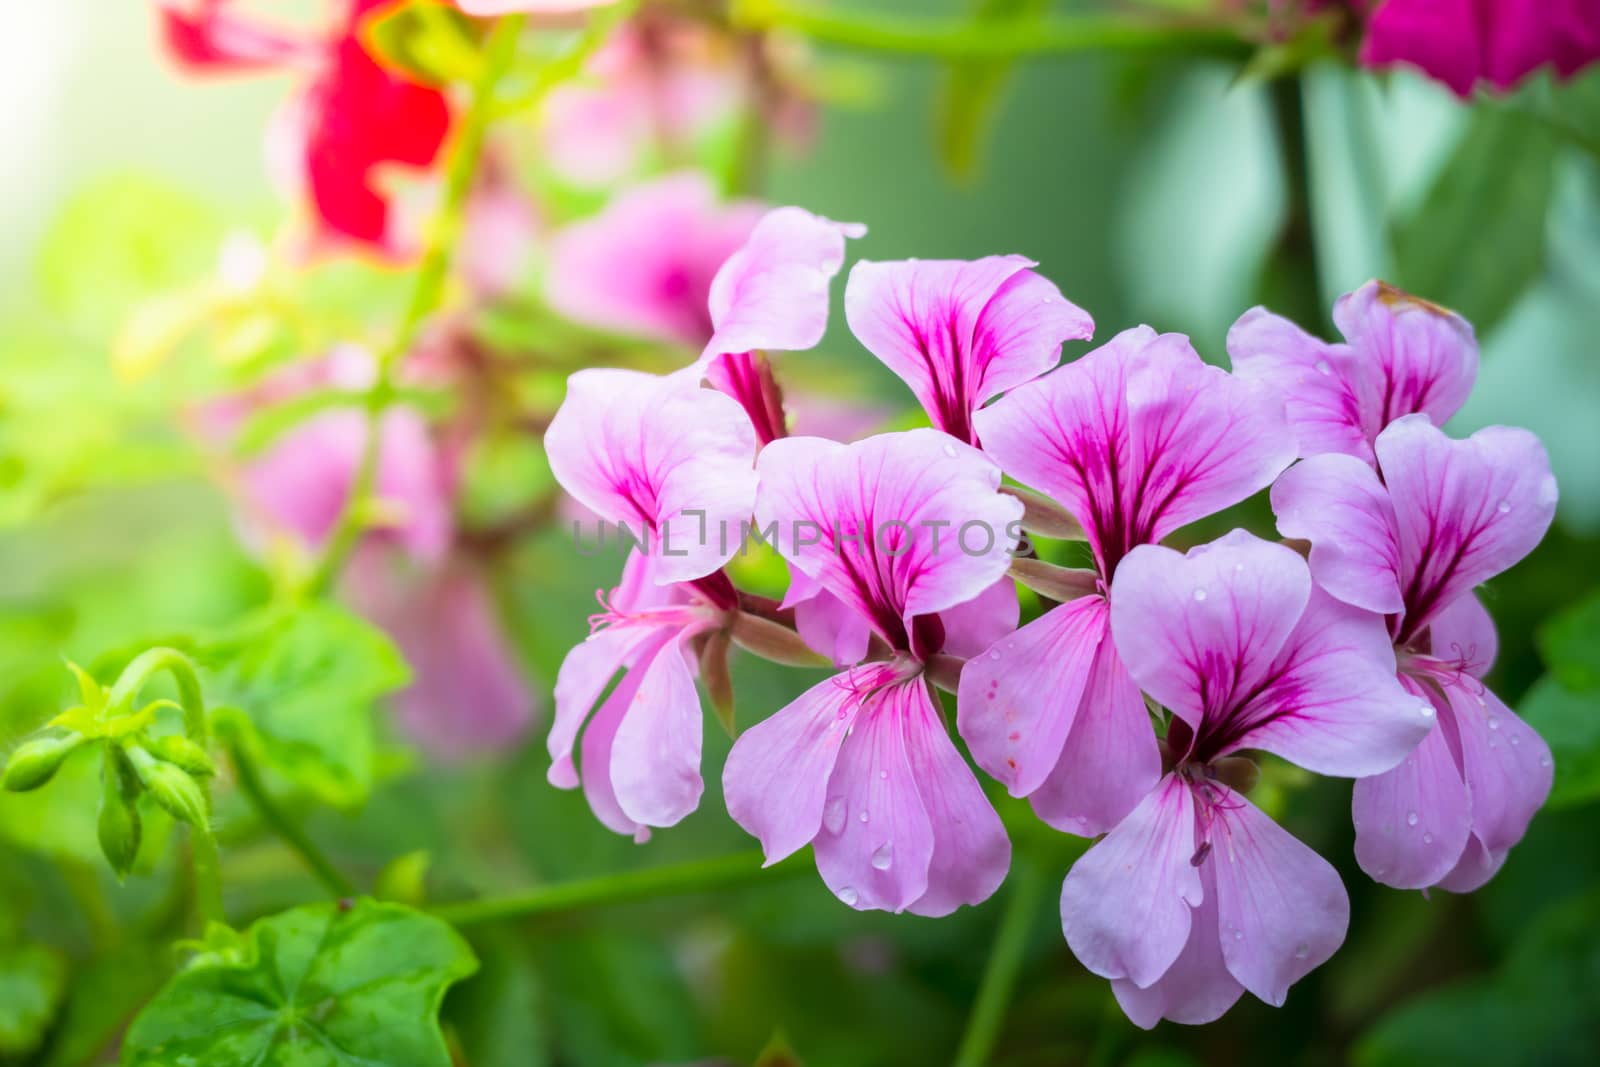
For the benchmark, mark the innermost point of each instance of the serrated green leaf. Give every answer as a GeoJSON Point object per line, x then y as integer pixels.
{"type": "Point", "coordinates": [1570, 724]}
{"type": "Point", "coordinates": [319, 986]}
{"type": "Point", "coordinates": [1478, 239]}
{"type": "Point", "coordinates": [302, 683]}
{"type": "Point", "coordinates": [1570, 645]}
{"type": "Point", "coordinates": [33, 979]}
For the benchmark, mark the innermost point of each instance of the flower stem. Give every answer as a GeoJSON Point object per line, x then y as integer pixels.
{"type": "Point", "coordinates": [207, 876]}
{"type": "Point", "coordinates": [724, 872]}
{"type": "Point", "coordinates": [292, 833]}
{"type": "Point", "coordinates": [1005, 962]}
{"type": "Point", "coordinates": [964, 39]}
{"type": "Point", "coordinates": [426, 296]}
{"type": "Point", "coordinates": [126, 688]}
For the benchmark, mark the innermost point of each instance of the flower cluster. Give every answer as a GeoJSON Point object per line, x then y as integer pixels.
{"type": "Point", "coordinates": [1136, 706]}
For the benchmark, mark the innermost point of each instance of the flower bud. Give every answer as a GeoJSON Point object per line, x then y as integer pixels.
{"type": "Point", "coordinates": [772, 641]}
{"type": "Point", "coordinates": [718, 680]}
{"type": "Point", "coordinates": [36, 762]}
{"type": "Point", "coordinates": [171, 786]}
{"type": "Point", "coordinates": [120, 828]}
{"type": "Point", "coordinates": [178, 749]}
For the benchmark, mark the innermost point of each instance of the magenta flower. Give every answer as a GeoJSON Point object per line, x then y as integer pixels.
{"type": "Point", "coordinates": [533, 7]}
{"type": "Point", "coordinates": [1464, 43]}
{"type": "Point", "coordinates": [961, 333]}
{"type": "Point", "coordinates": [861, 766]}
{"type": "Point", "coordinates": [1409, 541]}
{"type": "Point", "coordinates": [1400, 355]}
{"type": "Point", "coordinates": [668, 459]}
{"type": "Point", "coordinates": [645, 263]}
{"type": "Point", "coordinates": [641, 747]}
{"type": "Point", "coordinates": [1197, 895]}
{"type": "Point", "coordinates": [1135, 439]}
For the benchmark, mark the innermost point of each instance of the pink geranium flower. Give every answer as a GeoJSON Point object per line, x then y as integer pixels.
{"type": "Point", "coordinates": [532, 7]}
{"type": "Point", "coordinates": [861, 766]}
{"type": "Point", "coordinates": [1135, 439]}
{"type": "Point", "coordinates": [1196, 895]}
{"type": "Point", "coordinates": [1409, 541]}
{"type": "Point", "coordinates": [1400, 355]}
{"type": "Point", "coordinates": [1465, 43]}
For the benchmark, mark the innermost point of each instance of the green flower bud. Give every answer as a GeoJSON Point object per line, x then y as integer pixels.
{"type": "Point", "coordinates": [120, 827]}
{"type": "Point", "coordinates": [179, 750]}
{"type": "Point", "coordinates": [171, 786]}
{"type": "Point", "coordinates": [36, 762]}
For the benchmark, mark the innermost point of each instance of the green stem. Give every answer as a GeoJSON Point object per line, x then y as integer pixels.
{"type": "Point", "coordinates": [126, 689]}
{"type": "Point", "coordinates": [725, 872]}
{"type": "Point", "coordinates": [499, 52]}
{"type": "Point", "coordinates": [1005, 962]}
{"type": "Point", "coordinates": [207, 876]}
{"type": "Point", "coordinates": [961, 39]}
{"type": "Point", "coordinates": [292, 834]}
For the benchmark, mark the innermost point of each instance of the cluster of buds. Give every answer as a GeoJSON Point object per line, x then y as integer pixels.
{"type": "Point", "coordinates": [173, 767]}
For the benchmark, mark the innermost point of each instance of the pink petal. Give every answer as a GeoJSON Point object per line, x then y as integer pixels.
{"type": "Point", "coordinates": [827, 624]}
{"type": "Point", "coordinates": [1413, 356]}
{"type": "Point", "coordinates": [1444, 38]}
{"type": "Point", "coordinates": [1310, 375]}
{"type": "Point", "coordinates": [898, 525]}
{"type": "Point", "coordinates": [1412, 822]}
{"type": "Point", "coordinates": [536, 7]}
{"type": "Point", "coordinates": [1467, 510]}
{"type": "Point", "coordinates": [970, 628]}
{"type": "Point", "coordinates": [971, 853]}
{"type": "Point", "coordinates": [1507, 764]}
{"type": "Point", "coordinates": [1017, 702]}
{"type": "Point", "coordinates": [655, 757]}
{"type": "Point", "coordinates": [1474, 870]}
{"type": "Point", "coordinates": [776, 778]}
{"type": "Point", "coordinates": [652, 452]}
{"type": "Point", "coordinates": [1126, 904]}
{"type": "Point", "coordinates": [960, 333]}
{"type": "Point", "coordinates": [1339, 505]}
{"type": "Point", "coordinates": [599, 740]}
{"type": "Point", "coordinates": [645, 263]}
{"type": "Point", "coordinates": [876, 841]}
{"type": "Point", "coordinates": [772, 294]}
{"type": "Point", "coordinates": [585, 672]}
{"type": "Point", "coordinates": [1463, 633]}
{"type": "Point", "coordinates": [1110, 759]}
{"type": "Point", "coordinates": [1282, 907]}
{"type": "Point", "coordinates": [1197, 988]}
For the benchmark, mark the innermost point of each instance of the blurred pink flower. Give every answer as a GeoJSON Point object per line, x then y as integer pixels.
{"type": "Point", "coordinates": [532, 7]}
{"type": "Point", "coordinates": [1463, 43]}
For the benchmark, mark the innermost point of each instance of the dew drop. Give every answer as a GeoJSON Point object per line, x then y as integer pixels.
{"type": "Point", "coordinates": [862, 816]}
{"type": "Point", "coordinates": [1238, 935]}
{"type": "Point", "coordinates": [1426, 708]}
{"type": "Point", "coordinates": [883, 857]}
{"type": "Point", "coordinates": [994, 654]}
{"type": "Point", "coordinates": [1238, 568]}
{"type": "Point", "coordinates": [833, 815]}
{"type": "Point", "coordinates": [1411, 819]}
{"type": "Point", "coordinates": [1323, 367]}
{"type": "Point", "coordinates": [883, 774]}
{"type": "Point", "coordinates": [1505, 507]}
{"type": "Point", "coordinates": [1494, 723]}
{"type": "Point", "coordinates": [1199, 594]}
{"type": "Point", "coordinates": [1048, 300]}
{"type": "Point", "coordinates": [1515, 740]}
{"type": "Point", "coordinates": [848, 896]}
{"type": "Point", "coordinates": [950, 450]}
{"type": "Point", "coordinates": [1302, 950]}
{"type": "Point", "coordinates": [1544, 761]}
{"type": "Point", "coordinates": [1427, 839]}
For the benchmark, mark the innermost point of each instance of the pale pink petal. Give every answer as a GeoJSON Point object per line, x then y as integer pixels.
{"type": "Point", "coordinates": [1126, 904]}
{"type": "Point", "coordinates": [1412, 356]}
{"type": "Point", "coordinates": [1507, 764]}
{"type": "Point", "coordinates": [896, 526]}
{"type": "Point", "coordinates": [772, 294]}
{"type": "Point", "coordinates": [974, 626]}
{"type": "Point", "coordinates": [599, 741]}
{"type": "Point", "coordinates": [1338, 504]}
{"type": "Point", "coordinates": [1467, 510]}
{"type": "Point", "coordinates": [1462, 633]}
{"type": "Point", "coordinates": [584, 675]}
{"type": "Point", "coordinates": [1018, 701]}
{"type": "Point", "coordinates": [876, 841]}
{"type": "Point", "coordinates": [655, 757]}
{"type": "Point", "coordinates": [971, 853]}
{"type": "Point", "coordinates": [1310, 375]}
{"type": "Point", "coordinates": [825, 623]}
{"type": "Point", "coordinates": [1475, 868]}
{"type": "Point", "coordinates": [1412, 823]}
{"type": "Point", "coordinates": [1282, 907]}
{"type": "Point", "coordinates": [776, 778]}
{"type": "Point", "coordinates": [1197, 988]}
{"type": "Point", "coordinates": [1110, 759]}
{"type": "Point", "coordinates": [650, 452]}
{"type": "Point", "coordinates": [960, 332]}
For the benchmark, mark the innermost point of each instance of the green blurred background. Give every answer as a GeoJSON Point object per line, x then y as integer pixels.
{"type": "Point", "coordinates": [1151, 191]}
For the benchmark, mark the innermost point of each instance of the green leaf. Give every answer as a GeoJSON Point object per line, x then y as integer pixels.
{"type": "Point", "coordinates": [319, 986]}
{"type": "Point", "coordinates": [1570, 645]}
{"type": "Point", "coordinates": [33, 979]}
{"type": "Point", "coordinates": [972, 92]}
{"type": "Point", "coordinates": [297, 686]}
{"type": "Point", "coordinates": [1478, 239]}
{"type": "Point", "coordinates": [1570, 724]}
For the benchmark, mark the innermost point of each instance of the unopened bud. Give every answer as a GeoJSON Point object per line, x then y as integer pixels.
{"type": "Point", "coordinates": [171, 786]}
{"type": "Point", "coordinates": [120, 828]}
{"type": "Point", "coordinates": [178, 749]}
{"type": "Point", "coordinates": [772, 641]}
{"type": "Point", "coordinates": [1058, 583]}
{"type": "Point", "coordinates": [36, 762]}
{"type": "Point", "coordinates": [718, 679]}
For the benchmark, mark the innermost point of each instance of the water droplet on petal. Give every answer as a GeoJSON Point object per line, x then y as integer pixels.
{"type": "Point", "coordinates": [1238, 568]}
{"type": "Point", "coordinates": [1494, 723]}
{"type": "Point", "coordinates": [833, 815]}
{"type": "Point", "coordinates": [883, 857]}
{"type": "Point", "coordinates": [1238, 935]}
{"type": "Point", "coordinates": [1302, 950]}
{"type": "Point", "coordinates": [1426, 707]}
{"type": "Point", "coordinates": [883, 774]}
{"type": "Point", "coordinates": [950, 450]}
{"type": "Point", "coordinates": [1427, 839]}
{"type": "Point", "coordinates": [1515, 740]}
{"type": "Point", "coordinates": [1411, 819]}
{"type": "Point", "coordinates": [848, 897]}
{"type": "Point", "coordinates": [1505, 507]}
{"type": "Point", "coordinates": [1323, 367]}
{"type": "Point", "coordinates": [1199, 594]}
{"type": "Point", "coordinates": [862, 816]}
{"type": "Point", "coordinates": [994, 654]}
{"type": "Point", "coordinates": [1544, 761]}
